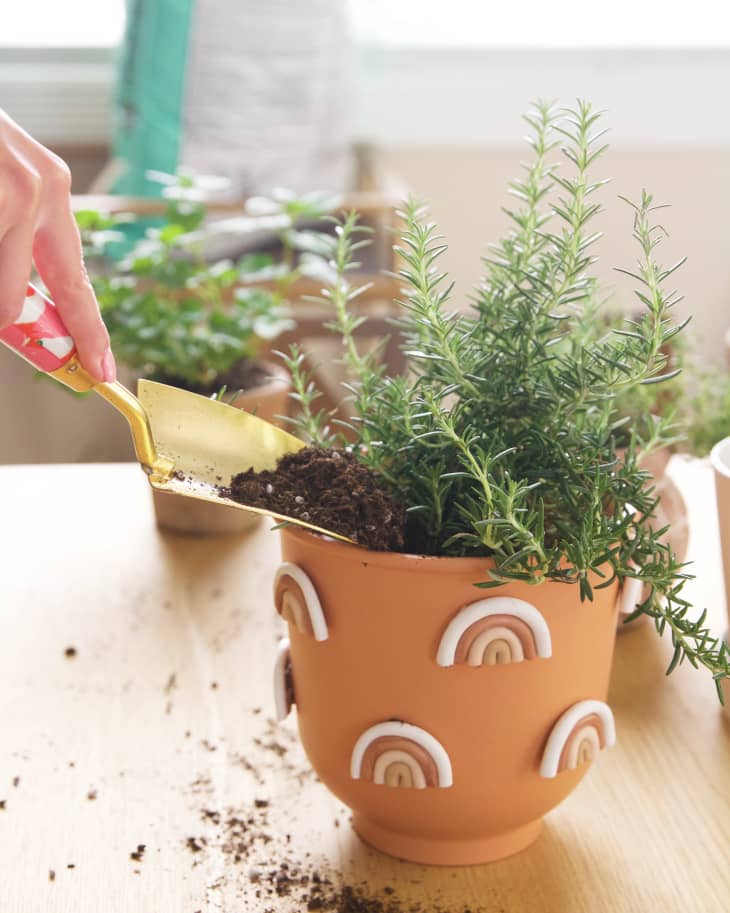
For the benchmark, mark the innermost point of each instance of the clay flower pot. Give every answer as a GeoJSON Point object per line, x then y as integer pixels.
{"type": "Point", "coordinates": [185, 515]}
{"type": "Point", "coordinates": [671, 512]}
{"type": "Point", "coordinates": [449, 718]}
{"type": "Point", "coordinates": [720, 459]}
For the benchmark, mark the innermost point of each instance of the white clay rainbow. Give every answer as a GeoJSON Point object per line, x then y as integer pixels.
{"type": "Point", "coordinates": [483, 608]}
{"type": "Point", "coordinates": [424, 739]}
{"type": "Point", "coordinates": [563, 729]}
{"type": "Point", "coordinates": [313, 605]}
{"type": "Point", "coordinates": [282, 700]}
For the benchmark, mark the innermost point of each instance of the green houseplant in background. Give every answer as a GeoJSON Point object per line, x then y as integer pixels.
{"type": "Point", "coordinates": [638, 410]}
{"type": "Point", "coordinates": [179, 315]}
{"type": "Point", "coordinates": [175, 316]}
{"type": "Point", "coordinates": [708, 411]}
{"type": "Point", "coordinates": [477, 663]}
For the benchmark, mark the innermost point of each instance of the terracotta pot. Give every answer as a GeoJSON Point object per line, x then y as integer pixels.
{"type": "Point", "coordinates": [671, 512]}
{"type": "Point", "coordinates": [450, 719]}
{"type": "Point", "coordinates": [725, 682]}
{"type": "Point", "coordinates": [185, 515]}
{"type": "Point", "coordinates": [720, 458]}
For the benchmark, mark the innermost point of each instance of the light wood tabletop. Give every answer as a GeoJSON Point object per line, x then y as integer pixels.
{"type": "Point", "coordinates": [141, 770]}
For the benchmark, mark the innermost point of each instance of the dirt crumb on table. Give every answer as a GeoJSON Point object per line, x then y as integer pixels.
{"type": "Point", "coordinates": [263, 864]}
{"type": "Point", "coordinates": [138, 854]}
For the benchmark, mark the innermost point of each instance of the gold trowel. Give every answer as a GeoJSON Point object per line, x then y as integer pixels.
{"type": "Point", "coordinates": [187, 444]}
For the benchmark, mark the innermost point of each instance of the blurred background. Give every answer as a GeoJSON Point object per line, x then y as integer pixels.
{"type": "Point", "coordinates": [376, 98]}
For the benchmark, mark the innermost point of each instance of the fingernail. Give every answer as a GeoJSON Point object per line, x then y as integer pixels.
{"type": "Point", "coordinates": [108, 367]}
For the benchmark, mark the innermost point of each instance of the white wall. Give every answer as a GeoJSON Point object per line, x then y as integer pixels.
{"type": "Point", "coordinates": [466, 187]}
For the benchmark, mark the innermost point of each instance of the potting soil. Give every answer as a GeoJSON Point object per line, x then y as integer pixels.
{"type": "Point", "coordinates": [328, 488]}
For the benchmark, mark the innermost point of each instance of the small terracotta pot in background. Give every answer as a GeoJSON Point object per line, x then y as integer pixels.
{"type": "Point", "coordinates": [725, 682]}
{"type": "Point", "coordinates": [720, 459]}
{"type": "Point", "coordinates": [178, 514]}
{"type": "Point", "coordinates": [449, 718]}
{"type": "Point", "coordinates": [671, 512]}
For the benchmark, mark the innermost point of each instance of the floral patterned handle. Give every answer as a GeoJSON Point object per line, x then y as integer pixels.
{"type": "Point", "coordinates": [39, 335]}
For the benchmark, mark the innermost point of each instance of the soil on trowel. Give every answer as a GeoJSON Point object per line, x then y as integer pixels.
{"type": "Point", "coordinates": [328, 488]}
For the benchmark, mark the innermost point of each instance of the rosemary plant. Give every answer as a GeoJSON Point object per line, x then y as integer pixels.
{"type": "Point", "coordinates": [501, 437]}
{"type": "Point", "coordinates": [172, 314]}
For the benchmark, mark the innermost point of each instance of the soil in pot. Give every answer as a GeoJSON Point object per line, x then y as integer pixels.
{"type": "Point", "coordinates": [244, 375]}
{"type": "Point", "coordinates": [329, 488]}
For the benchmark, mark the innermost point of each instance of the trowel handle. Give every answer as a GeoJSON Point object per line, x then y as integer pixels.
{"type": "Point", "coordinates": [39, 335]}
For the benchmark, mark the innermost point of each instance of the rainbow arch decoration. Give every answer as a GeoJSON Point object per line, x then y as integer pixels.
{"type": "Point", "coordinates": [284, 695]}
{"type": "Point", "coordinates": [394, 753]}
{"type": "Point", "coordinates": [297, 601]}
{"type": "Point", "coordinates": [581, 732]}
{"type": "Point", "coordinates": [495, 631]}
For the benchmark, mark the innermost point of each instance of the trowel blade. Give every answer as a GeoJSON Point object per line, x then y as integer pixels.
{"type": "Point", "coordinates": [209, 442]}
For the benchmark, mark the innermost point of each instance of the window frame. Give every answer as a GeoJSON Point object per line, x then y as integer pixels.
{"type": "Point", "coordinates": [445, 97]}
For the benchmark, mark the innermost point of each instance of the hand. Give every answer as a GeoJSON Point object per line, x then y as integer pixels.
{"type": "Point", "coordinates": [37, 224]}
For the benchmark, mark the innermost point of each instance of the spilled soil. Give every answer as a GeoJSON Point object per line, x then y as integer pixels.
{"type": "Point", "coordinates": [252, 855]}
{"type": "Point", "coordinates": [328, 488]}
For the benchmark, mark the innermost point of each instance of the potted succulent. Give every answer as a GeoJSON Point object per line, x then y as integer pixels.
{"type": "Point", "coordinates": [178, 318]}
{"type": "Point", "coordinates": [454, 691]}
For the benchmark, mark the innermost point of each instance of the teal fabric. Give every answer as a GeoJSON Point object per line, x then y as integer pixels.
{"type": "Point", "coordinates": [150, 91]}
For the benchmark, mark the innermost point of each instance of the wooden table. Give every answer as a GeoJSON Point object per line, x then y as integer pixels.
{"type": "Point", "coordinates": [158, 731]}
